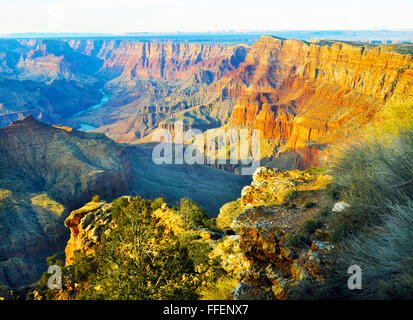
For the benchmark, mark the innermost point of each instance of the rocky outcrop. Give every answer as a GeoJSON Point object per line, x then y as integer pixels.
{"type": "Point", "coordinates": [70, 165]}
{"type": "Point", "coordinates": [271, 187]}
{"type": "Point", "coordinates": [261, 255]}
{"type": "Point", "coordinates": [87, 225]}
{"type": "Point", "coordinates": [277, 268]}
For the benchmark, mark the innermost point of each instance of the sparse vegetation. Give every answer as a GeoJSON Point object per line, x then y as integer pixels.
{"type": "Point", "coordinates": [42, 200]}
{"type": "Point", "coordinates": [193, 215]}
{"type": "Point", "coordinates": [372, 176]}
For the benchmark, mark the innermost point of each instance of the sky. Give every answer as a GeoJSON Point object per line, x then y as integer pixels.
{"type": "Point", "coordinates": [121, 16]}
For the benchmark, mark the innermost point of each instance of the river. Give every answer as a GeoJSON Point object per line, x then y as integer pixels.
{"type": "Point", "coordinates": [86, 126]}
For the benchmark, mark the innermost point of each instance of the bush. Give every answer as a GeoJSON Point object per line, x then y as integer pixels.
{"type": "Point", "coordinates": [96, 198]}
{"type": "Point", "coordinates": [195, 216]}
{"type": "Point", "coordinates": [309, 205]}
{"type": "Point", "coordinates": [310, 226]}
{"type": "Point", "coordinates": [157, 203]}
{"type": "Point", "coordinates": [298, 240]}
{"type": "Point", "coordinates": [42, 284]}
{"type": "Point", "coordinates": [376, 231]}
{"type": "Point", "coordinates": [139, 260]}
{"type": "Point", "coordinates": [83, 267]}
{"type": "Point", "coordinates": [118, 205]}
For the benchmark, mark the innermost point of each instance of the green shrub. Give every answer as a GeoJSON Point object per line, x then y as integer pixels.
{"type": "Point", "coordinates": [42, 284]}
{"type": "Point", "coordinates": [298, 240]}
{"type": "Point", "coordinates": [198, 252]}
{"type": "Point", "coordinates": [195, 216]}
{"type": "Point", "coordinates": [118, 205]}
{"type": "Point", "coordinates": [310, 226]}
{"type": "Point", "coordinates": [96, 198]}
{"type": "Point", "coordinates": [83, 267]}
{"type": "Point", "coordinates": [157, 203]}
{"type": "Point", "coordinates": [139, 260]}
{"type": "Point", "coordinates": [310, 204]}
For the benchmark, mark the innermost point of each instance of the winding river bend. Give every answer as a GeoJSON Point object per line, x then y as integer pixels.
{"type": "Point", "coordinates": [86, 126]}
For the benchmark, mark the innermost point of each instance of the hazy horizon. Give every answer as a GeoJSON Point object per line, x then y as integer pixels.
{"type": "Point", "coordinates": [171, 16]}
{"type": "Point", "coordinates": [379, 36]}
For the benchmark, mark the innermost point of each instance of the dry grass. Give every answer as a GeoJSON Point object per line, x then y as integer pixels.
{"type": "Point", "coordinates": [220, 290]}
{"type": "Point", "coordinates": [385, 255]}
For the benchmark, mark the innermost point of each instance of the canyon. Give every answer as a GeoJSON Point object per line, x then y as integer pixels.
{"type": "Point", "coordinates": [305, 97]}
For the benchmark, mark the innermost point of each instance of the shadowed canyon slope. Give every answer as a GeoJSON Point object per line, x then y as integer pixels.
{"type": "Point", "coordinates": [47, 171]}
{"type": "Point", "coordinates": [44, 173]}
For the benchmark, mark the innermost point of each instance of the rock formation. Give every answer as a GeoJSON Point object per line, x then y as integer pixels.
{"type": "Point", "coordinates": [260, 254]}
{"type": "Point", "coordinates": [134, 60]}
{"type": "Point", "coordinates": [303, 96]}
{"type": "Point", "coordinates": [87, 225]}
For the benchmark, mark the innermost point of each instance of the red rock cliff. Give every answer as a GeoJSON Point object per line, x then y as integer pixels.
{"type": "Point", "coordinates": [163, 60]}
{"type": "Point", "coordinates": [303, 95]}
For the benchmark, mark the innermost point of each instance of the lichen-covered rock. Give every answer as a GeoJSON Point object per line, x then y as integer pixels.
{"type": "Point", "coordinates": [272, 187]}
{"type": "Point", "coordinates": [267, 265]}
{"type": "Point", "coordinates": [244, 291]}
